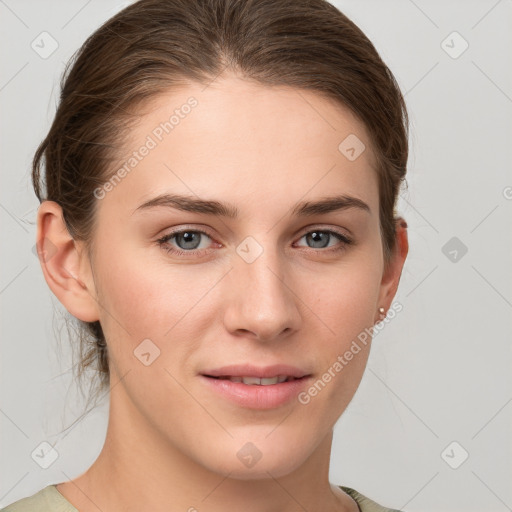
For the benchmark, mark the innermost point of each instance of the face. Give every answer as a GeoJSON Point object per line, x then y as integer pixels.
{"type": "Point", "coordinates": [183, 293]}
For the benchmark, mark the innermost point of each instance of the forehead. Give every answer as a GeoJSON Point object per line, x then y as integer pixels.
{"type": "Point", "coordinates": [246, 141]}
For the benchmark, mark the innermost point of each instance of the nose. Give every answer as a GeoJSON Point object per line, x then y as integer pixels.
{"type": "Point", "coordinates": [261, 301]}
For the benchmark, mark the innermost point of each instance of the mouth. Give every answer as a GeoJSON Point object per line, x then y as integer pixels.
{"type": "Point", "coordinates": [254, 387]}
{"type": "Point", "coordinates": [257, 381]}
{"type": "Point", "coordinates": [257, 375]}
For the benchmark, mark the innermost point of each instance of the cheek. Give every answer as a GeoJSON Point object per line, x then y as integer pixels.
{"type": "Point", "coordinates": [156, 301]}
{"type": "Point", "coordinates": [345, 299]}
{"type": "Point", "coordinates": [344, 306]}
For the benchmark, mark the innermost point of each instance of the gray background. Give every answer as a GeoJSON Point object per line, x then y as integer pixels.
{"type": "Point", "coordinates": [439, 372]}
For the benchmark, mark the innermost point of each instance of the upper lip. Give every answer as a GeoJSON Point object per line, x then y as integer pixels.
{"type": "Point", "coordinates": [247, 370]}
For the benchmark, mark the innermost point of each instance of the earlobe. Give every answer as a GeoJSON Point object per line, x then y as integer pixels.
{"type": "Point", "coordinates": [63, 264]}
{"type": "Point", "coordinates": [393, 272]}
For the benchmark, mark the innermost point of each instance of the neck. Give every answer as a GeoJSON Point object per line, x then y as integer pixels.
{"type": "Point", "coordinates": [138, 469]}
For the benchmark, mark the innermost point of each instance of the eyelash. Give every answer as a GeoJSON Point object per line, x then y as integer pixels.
{"type": "Point", "coordinates": [163, 242]}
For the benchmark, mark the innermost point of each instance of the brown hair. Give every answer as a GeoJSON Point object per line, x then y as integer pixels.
{"type": "Point", "coordinates": [153, 45]}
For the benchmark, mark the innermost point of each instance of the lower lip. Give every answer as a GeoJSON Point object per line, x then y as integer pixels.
{"type": "Point", "coordinates": [257, 396]}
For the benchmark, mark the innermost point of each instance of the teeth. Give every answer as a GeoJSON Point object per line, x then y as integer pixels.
{"type": "Point", "coordinates": [252, 381]}
{"type": "Point", "coordinates": [269, 380]}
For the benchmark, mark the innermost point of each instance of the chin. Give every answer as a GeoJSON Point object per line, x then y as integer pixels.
{"type": "Point", "coordinates": [260, 471]}
{"type": "Point", "coordinates": [258, 460]}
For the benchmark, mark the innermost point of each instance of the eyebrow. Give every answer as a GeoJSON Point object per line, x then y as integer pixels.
{"type": "Point", "coordinates": [210, 207]}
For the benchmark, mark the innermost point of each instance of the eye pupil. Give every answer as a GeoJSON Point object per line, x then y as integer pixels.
{"type": "Point", "coordinates": [188, 237]}
{"type": "Point", "coordinates": [316, 237]}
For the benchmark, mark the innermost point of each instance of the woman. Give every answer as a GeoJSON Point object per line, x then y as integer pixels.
{"type": "Point", "coordinates": [218, 213]}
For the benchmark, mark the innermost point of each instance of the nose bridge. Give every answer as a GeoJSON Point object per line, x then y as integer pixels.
{"type": "Point", "coordinates": [263, 302]}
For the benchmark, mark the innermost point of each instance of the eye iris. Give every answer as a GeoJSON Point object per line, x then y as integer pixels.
{"type": "Point", "coordinates": [315, 235]}
{"type": "Point", "coordinates": [188, 237]}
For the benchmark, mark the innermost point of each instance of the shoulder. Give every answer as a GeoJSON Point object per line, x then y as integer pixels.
{"type": "Point", "coordinates": [48, 499]}
{"type": "Point", "coordinates": [365, 504]}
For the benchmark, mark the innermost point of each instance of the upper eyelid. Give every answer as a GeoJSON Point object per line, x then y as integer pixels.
{"type": "Point", "coordinates": [316, 227]}
{"type": "Point", "coordinates": [303, 231]}
{"type": "Point", "coordinates": [170, 234]}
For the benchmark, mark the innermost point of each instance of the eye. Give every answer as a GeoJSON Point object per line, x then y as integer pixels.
{"type": "Point", "coordinates": [321, 239]}
{"type": "Point", "coordinates": [190, 242]}
{"type": "Point", "coordinates": [187, 241]}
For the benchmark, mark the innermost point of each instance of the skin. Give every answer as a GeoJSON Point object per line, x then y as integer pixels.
{"type": "Point", "coordinates": [171, 442]}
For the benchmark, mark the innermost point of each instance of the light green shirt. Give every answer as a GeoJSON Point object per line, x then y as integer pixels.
{"type": "Point", "coordinates": [50, 499]}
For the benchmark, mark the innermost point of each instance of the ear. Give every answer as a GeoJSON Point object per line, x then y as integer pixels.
{"type": "Point", "coordinates": [65, 264]}
{"type": "Point", "coordinates": [393, 271]}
